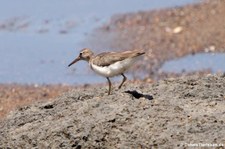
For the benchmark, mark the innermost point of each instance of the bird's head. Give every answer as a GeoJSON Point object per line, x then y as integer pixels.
{"type": "Point", "coordinates": [85, 54]}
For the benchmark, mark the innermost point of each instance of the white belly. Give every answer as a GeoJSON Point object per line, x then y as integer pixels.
{"type": "Point", "coordinates": [113, 69]}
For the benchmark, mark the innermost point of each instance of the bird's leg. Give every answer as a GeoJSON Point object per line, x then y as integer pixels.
{"type": "Point", "coordinates": [124, 79]}
{"type": "Point", "coordinates": [109, 86]}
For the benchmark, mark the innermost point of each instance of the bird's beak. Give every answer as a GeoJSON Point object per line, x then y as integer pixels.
{"type": "Point", "coordinates": [74, 61]}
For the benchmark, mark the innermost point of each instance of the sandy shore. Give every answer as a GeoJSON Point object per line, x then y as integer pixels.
{"type": "Point", "coordinates": [167, 34]}
{"type": "Point", "coordinates": [171, 113]}
{"type": "Point", "coordinates": [164, 34]}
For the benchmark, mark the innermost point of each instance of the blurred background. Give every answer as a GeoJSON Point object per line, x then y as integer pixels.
{"type": "Point", "coordinates": [39, 38]}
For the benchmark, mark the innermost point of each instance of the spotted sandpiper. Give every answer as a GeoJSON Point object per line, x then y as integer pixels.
{"type": "Point", "coordinates": [109, 64]}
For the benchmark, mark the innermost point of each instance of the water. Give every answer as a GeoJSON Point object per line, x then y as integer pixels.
{"type": "Point", "coordinates": [39, 38]}
{"type": "Point", "coordinates": [202, 61]}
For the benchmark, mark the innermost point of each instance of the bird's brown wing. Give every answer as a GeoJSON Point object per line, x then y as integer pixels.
{"type": "Point", "coordinates": [107, 58]}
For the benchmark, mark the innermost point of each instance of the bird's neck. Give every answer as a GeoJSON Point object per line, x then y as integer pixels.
{"type": "Point", "coordinates": [89, 59]}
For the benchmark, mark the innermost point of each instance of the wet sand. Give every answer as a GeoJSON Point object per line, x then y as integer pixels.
{"type": "Point", "coordinates": [167, 34]}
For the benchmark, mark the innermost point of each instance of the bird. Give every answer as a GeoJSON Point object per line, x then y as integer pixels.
{"type": "Point", "coordinates": [109, 64]}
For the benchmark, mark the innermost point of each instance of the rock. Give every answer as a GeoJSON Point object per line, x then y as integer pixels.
{"type": "Point", "coordinates": [89, 118]}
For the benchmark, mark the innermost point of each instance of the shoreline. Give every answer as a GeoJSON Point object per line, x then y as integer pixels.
{"type": "Point", "coordinates": [166, 34]}
{"type": "Point", "coordinates": [176, 111]}
{"type": "Point", "coordinates": [164, 31]}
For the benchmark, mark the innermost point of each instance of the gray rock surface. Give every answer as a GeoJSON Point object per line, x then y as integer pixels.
{"type": "Point", "coordinates": [173, 113]}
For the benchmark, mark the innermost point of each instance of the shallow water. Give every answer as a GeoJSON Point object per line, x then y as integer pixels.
{"type": "Point", "coordinates": [202, 61]}
{"type": "Point", "coordinates": [39, 38]}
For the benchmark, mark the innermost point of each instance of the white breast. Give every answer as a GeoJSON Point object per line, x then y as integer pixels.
{"type": "Point", "coordinates": [113, 69]}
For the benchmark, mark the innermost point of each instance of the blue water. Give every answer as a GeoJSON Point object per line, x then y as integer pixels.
{"type": "Point", "coordinates": [202, 61]}
{"type": "Point", "coordinates": [38, 38]}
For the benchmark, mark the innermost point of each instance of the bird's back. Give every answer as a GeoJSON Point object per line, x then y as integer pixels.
{"type": "Point", "coordinates": [107, 58]}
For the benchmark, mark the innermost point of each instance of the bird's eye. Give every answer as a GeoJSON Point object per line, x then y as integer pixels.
{"type": "Point", "coordinates": [80, 53]}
